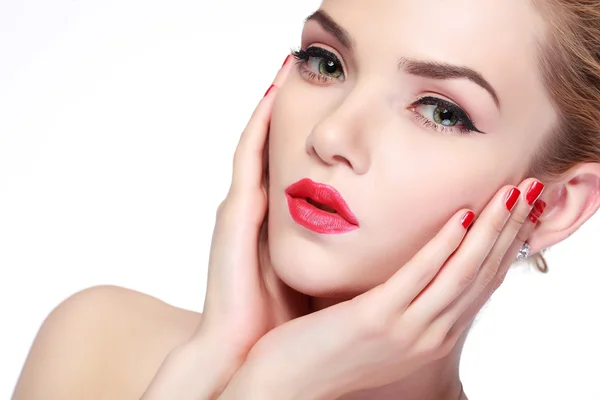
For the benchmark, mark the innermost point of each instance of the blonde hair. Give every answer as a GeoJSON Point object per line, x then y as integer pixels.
{"type": "Point", "coordinates": [570, 65]}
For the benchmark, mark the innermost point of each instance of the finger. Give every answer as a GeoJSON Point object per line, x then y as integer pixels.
{"type": "Point", "coordinates": [406, 284]}
{"type": "Point", "coordinates": [248, 162]}
{"type": "Point", "coordinates": [469, 315]}
{"type": "Point", "coordinates": [459, 272]}
{"type": "Point", "coordinates": [494, 264]}
{"type": "Point", "coordinates": [522, 236]}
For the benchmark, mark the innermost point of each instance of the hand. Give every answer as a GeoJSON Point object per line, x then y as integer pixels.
{"type": "Point", "coordinates": [240, 303]}
{"type": "Point", "coordinates": [238, 309]}
{"type": "Point", "coordinates": [417, 316]}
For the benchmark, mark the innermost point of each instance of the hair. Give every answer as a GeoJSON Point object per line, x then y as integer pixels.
{"type": "Point", "coordinates": [569, 57]}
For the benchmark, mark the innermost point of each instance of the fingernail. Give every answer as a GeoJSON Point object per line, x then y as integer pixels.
{"type": "Point", "coordinates": [534, 192]}
{"type": "Point", "coordinates": [269, 90]}
{"type": "Point", "coordinates": [512, 198]}
{"type": "Point", "coordinates": [286, 60]}
{"type": "Point", "coordinates": [467, 219]}
{"type": "Point", "coordinates": [537, 211]}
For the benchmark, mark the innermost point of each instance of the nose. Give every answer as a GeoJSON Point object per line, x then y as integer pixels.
{"type": "Point", "coordinates": [343, 137]}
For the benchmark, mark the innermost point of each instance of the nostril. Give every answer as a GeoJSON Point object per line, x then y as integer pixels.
{"type": "Point", "coordinates": [342, 160]}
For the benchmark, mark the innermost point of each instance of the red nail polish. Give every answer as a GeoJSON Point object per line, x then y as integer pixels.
{"type": "Point", "coordinates": [512, 198]}
{"type": "Point", "coordinates": [286, 60]}
{"type": "Point", "coordinates": [537, 211]}
{"type": "Point", "coordinates": [534, 192]}
{"type": "Point", "coordinates": [467, 219]}
{"type": "Point", "coordinates": [269, 90]}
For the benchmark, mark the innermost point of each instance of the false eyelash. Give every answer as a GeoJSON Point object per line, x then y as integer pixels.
{"type": "Point", "coordinates": [303, 56]}
{"type": "Point", "coordinates": [299, 54]}
{"type": "Point", "coordinates": [318, 52]}
{"type": "Point", "coordinates": [469, 125]}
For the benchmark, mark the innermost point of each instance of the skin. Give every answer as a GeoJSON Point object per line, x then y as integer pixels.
{"type": "Point", "coordinates": [361, 136]}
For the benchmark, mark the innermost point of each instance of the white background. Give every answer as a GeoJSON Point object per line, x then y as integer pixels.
{"type": "Point", "coordinates": [118, 120]}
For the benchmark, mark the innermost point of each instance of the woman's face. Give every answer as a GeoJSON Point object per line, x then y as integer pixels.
{"type": "Point", "coordinates": [411, 110]}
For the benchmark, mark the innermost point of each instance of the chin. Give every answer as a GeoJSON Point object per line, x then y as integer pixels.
{"type": "Point", "coordinates": [308, 269]}
{"type": "Point", "coordinates": [334, 265]}
{"type": "Point", "coordinates": [319, 265]}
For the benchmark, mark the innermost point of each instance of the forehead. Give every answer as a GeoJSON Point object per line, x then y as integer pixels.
{"type": "Point", "coordinates": [456, 30]}
{"type": "Point", "coordinates": [498, 38]}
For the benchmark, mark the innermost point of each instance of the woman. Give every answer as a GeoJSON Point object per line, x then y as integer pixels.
{"type": "Point", "coordinates": [400, 189]}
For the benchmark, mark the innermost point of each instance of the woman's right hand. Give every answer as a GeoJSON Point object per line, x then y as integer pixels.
{"type": "Point", "coordinates": [237, 309]}
{"type": "Point", "coordinates": [239, 303]}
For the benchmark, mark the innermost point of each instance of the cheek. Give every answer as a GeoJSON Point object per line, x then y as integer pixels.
{"type": "Point", "coordinates": [421, 194]}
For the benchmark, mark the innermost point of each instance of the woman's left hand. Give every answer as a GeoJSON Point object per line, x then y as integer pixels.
{"type": "Point", "coordinates": [414, 318]}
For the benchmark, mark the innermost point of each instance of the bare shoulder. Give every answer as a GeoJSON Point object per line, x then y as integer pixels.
{"type": "Point", "coordinates": [104, 342]}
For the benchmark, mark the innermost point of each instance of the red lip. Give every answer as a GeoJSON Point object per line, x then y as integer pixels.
{"type": "Point", "coordinates": [302, 197]}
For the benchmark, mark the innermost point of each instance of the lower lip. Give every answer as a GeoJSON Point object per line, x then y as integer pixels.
{"type": "Point", "coordinates": [317, 220]}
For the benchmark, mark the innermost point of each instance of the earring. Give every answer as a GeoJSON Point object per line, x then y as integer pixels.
{"type": "Point", "coordinates": [524, 251]}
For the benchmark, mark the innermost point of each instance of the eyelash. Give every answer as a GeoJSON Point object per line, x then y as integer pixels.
{"type": "Point", "coordinates": [468, 126]}
{"type": "Point", "coordinates": [304, 56]}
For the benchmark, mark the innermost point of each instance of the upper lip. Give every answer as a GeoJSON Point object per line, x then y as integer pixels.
{"type": "Point", "coordinates": [324, 194]}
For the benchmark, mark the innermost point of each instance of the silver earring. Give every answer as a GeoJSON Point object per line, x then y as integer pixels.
{"type": "Point", "coordinates": [524, 251]}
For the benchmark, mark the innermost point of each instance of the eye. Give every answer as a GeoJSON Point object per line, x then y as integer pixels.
{"type": "Point", "coordinates": [319, 64]}
{"type": "Point", "coordinates": [443, 116]}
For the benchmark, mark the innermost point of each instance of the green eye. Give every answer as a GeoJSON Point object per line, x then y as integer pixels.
{"type": "Point", "coordinates": [445, 116]}
{"type": "Point", "coordinates": [318, 63]}
{"type": "Point", "coordinates": [442, 115]}
{"type": "Point", "coordinates": [329, 68]}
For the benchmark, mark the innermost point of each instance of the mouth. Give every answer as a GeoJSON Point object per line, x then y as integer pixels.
{"type": "Point", "coordinates": [320, 208]}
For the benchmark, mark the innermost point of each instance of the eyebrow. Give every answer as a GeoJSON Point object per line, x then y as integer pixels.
{"type": "Point", "coordinates": [437, 70]}
{"type": "Point", "coordinates": [329, 25]}
{"type": "Point", "coordinates": [422, 68]}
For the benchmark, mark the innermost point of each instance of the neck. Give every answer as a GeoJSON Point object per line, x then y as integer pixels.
{"type": "Point", "coordinates": [438, 380]}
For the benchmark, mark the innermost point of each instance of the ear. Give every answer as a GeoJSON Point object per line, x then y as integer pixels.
{"type": "Point", "coordinates": [570, 201]}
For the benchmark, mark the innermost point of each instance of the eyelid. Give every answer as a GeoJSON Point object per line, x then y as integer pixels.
{"type": "Point", "coordinates": [469, 124]}
{"type": "Point", "coordinates": [328, 49]}
{"type": "Point", "coordinates": [444, 99]}
{"type": "Point", "coordinates": [448, 99]}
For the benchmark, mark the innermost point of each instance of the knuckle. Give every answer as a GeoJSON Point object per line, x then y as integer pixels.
{"type": "Point", "coordinates": [428, 263]}
{"type": "Point", "coordinates": [488, 276]}
{"type": "Point", "coordinates": [447, 240]}
{"type": "Point", "coordinates": [515, 223]}
{"type": "Point", "coordinates": [224, 216]}
{"type": "Point", "coordinates": [403, 336]}
{"type": "Point", "coordinates": [427, 272]}
{"type": "Point", "coordinates": [450, 340]}
{"type": "Point", "coordinates": [238, 154]}
{"type": "Point", "coordinates": [381, 323]}
{"type": "Point", "coordinates": [223, 207]}
{"type": "Point", "coordinates": [375, 322]}
{"type": "Point", "coordinates": [519, 240]}
{"type": "Point", "coordinates": [467, 279]}
{"type": "Point", "coordinates": [239, 209]}
{"type": "Point", "coordinates": [491, 267]}
{"type": "Point", "coordinates": [519, 217]}
{"type": "Point", "coordinates": [220, 208]}
{"type": "Point", "coordinates": [499, 281]}
{"type": "Point", "coordinates": [498, 224]}
{"type": "Point", "coordinates": [450, 243]}
{"type": "Point", "coordinates": [432, 346]}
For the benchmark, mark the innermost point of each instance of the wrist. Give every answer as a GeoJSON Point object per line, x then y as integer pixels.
{"type": "Point", "coordinates": [256, 382]}
{"type": "Point", "coordinates": [192, 371]}
{"type": "Point", "coordinates": [272, 380]}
